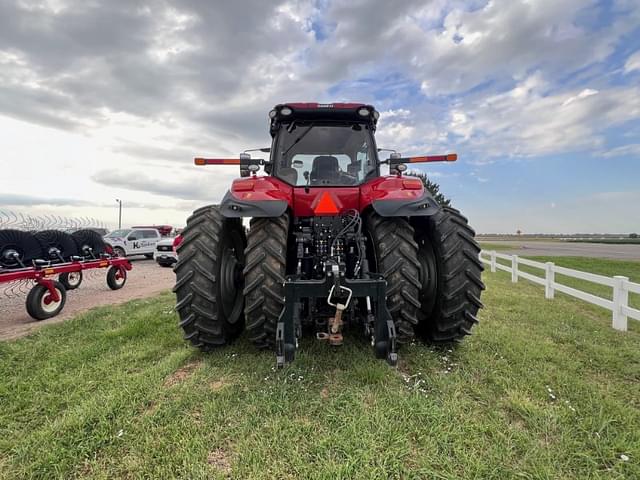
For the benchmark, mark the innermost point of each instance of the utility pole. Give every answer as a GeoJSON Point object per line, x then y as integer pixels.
{"type": "Point", "coordinates": [119, 213]}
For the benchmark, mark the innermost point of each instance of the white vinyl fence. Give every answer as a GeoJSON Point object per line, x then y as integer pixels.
{"type": "Point", "coordinates": [618, 305]}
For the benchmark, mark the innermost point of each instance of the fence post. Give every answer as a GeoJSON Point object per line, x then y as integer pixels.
{"type": "Point", "coordinates": [493, 261]}
{"type": "Point", "coordinates": [514, 268]}
{"type": "Point", "coordinates": [620, 299]}
{"type": "Point", "coordinates": [550, 278]}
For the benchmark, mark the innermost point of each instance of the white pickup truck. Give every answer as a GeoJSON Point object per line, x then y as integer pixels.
{"type": "Point", "coordinates": [165, 254]}
{"type": "Point", "coordinates": [134, 241]}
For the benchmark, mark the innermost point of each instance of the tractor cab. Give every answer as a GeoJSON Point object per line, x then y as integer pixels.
{"type": "Point", "coordinates": [323, 146]}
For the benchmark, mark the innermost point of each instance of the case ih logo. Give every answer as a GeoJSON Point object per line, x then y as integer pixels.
{"type": "Point", "coordinates": [325, 105]}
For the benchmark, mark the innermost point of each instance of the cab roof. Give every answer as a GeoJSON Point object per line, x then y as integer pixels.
{"type": "Point", "coordinates": [285, 113]}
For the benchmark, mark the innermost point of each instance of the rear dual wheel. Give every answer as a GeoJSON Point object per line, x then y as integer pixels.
{"type": "Point", "coordinates": [450, 276]}
{"type": "Point", "coordinates": [209, 280]}
{"type": "Point", "coordinates": [433, 274]}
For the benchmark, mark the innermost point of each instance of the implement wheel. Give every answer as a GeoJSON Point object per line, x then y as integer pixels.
{"type": "Point", "coordinates": [116, 278]}
{"type": "Point", "coordinates": [70, 280]}
{"type": "Point", "coordinates": [264, 277]}
{"type": "Point", "coordinates": [396, 257]}
{"type": "Point", "coordinates": [41, 306]}
{"type": "Point", "coordinates": [450, 274]}
{"type": "Point", "coordinates": [209, 281]}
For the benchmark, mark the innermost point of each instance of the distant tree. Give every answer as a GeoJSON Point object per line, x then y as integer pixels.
{"type": "Point", "coordinates": [633, 235]}
{"type": "Point", "coordinates": [519, 232]}
{"type": "Point", "coordinates": [432, 187]}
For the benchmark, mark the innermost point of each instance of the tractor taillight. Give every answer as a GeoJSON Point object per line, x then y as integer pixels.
{"type": "Point", "coordinates": [411, 184]}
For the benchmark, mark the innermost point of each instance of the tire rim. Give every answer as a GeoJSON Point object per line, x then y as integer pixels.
{"type": "Point", "coordinates": [47, 304]}
{"type": "Point", "coordinates": [428, 276]}
{"type": "Point", "coordinates": [74, 279]}
{"type": "Point", "coordinates": [119, 278]}
{"type": "Point", "coordinates": [231, 284]}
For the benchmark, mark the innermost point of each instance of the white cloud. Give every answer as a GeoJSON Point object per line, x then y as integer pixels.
{"type": "Point", "coordinates": [633, 63]}
{"type": "Point", "coordinates": [528, 121]}
{"type": "Point", "coordinates": [632, 149]}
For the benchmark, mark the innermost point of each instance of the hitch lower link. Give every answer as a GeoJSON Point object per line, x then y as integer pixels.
{"type": "Point", "coordinates": [379, 326]}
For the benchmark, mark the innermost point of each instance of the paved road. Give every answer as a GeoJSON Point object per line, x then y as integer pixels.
{"type": "Point", "coordinates": [145, 279]}
{"type": "Point", "coordinates": [571, 249]}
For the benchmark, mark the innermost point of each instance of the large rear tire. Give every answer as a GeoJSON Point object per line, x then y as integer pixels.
{"type": "Point", "coordinates": [209, 279]}
{"type": "Point", "coordinates": [450, 274]}
{"type": "Point", "coordinates": [264, 277]}
{"type": "Point", "coordinates": [396, 257]}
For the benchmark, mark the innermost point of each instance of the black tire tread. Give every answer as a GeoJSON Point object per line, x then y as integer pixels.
{"type": "Point", "coordinates": [459, 277]}
{"type": "Point", "coordinates": [264, 275]}
{"type": "Point", "coordinates": [397, 257]}
{"type": "Point", "coordinates": [196, 286]}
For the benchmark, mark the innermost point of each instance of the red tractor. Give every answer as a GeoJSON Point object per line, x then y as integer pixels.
{"type": "Point", "coordinates": [332, 243]}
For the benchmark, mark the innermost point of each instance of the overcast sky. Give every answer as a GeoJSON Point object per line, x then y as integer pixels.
{"type": "Point", "coordinates": [106, 99]}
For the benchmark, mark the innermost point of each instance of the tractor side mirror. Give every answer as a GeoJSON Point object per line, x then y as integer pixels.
{"type": "Point", "coordinates": [245, 161]}
{"type": "Point", "coordinates": [394, 161]}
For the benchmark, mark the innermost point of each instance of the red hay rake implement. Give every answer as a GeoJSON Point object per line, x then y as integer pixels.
{"type": "Point", "coordinates": [47, 297]}
{"type": "Point", "coordinates": [48, 262]}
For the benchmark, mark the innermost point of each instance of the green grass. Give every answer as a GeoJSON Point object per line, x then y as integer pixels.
{"type": "Point", "coordinates": [542, 390]}
{"type": "Point", "coordinates": [496, 246]}
{"type": "Point", "coordinates": [615, 241]}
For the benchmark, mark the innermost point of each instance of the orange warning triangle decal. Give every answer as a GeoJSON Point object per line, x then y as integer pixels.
{"type": "Point", "coordinates": [326, 205]}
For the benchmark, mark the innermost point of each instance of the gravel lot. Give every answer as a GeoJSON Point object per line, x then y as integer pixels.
{"type": "Point", "coordinates": [145, 279]}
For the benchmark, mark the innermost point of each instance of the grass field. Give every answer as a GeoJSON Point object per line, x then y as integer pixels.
{"type": "Point", "coordinates": [615, 241]}
{"type": "Point", "coordinates": [542, 390]}
{"type": "Point", "coordinates": [496, 246]}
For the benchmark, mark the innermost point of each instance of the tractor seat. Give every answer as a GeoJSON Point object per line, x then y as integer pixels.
{"type": "Point", "coordinates": [325, 167]}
